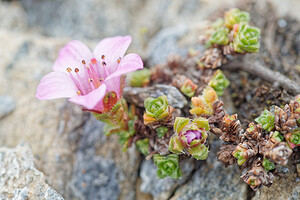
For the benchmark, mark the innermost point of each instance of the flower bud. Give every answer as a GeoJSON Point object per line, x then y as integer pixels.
{"type": "Point", "coordinates": [219, 82]}
{"type": "Point", "coordinates": [167, 166]}
{"type": "Point", "coordinates": [246, 39]}
{"type": "Point", "coordinates": [140, 78]}
{"type": "Point", "coordinates": [204, 104]}
{"type": "Point", "coordinates": [157, 109]}
{"type": "Point", "coordinates": [235, 16]}
{"type": "Point", "coordinates": [188, 88]}
{"type": "Point", "coordinates": [267, 120]}
{"type": "Point", "coordinates": [190, 135]}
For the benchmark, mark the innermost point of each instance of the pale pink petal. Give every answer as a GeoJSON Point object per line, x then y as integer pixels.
{"type": "Point", "coordinates": [56, 85]}
{"type": "Point", "coordinates": [129, 63]}
{"type": "Point", "coordinates": [190, 136]}
{"type": "Point", "coordinates": [92, 99]}
{"type": "Point", "coordinates": [72, 55]}
{"type": "Point", "coordinates": [112, 48]}
{"type": "Point", "coordinates": [114, 84]}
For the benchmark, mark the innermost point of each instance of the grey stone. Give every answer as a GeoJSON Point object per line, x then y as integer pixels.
{"type": "Point", "coordinates": [162, 188]}
{"type": "Point", "coordinates": [213, 181]}
{"type": "Point", "coordinates": [7, 105]}
{"type": "Point", "coordinates": [164, 43]}
{"type": "Point", "coordinates": [137, 95]}
{"type": "Point", "coordinates": [94, 177]}
{"type": "Point", "coordinates": [19, 179]}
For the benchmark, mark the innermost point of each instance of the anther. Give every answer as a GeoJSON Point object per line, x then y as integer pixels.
{"type": "Point", "coordinates": [101, 79]}
{"type": "Point", "coordinates": [90, 80]}
{"type": "Point", "coordinates": [69, 69]}
{"type": "Point", "coordinates": [78, 93]}
{"type": "Point", "coordinates": [76, 70]}
{"type": "Point", "coordinates": [83, 62]}
{"type": "Point", "coordinates": [94, 61]}
{"type": "Point", "coordinates": [103, 63]}
{"type": "Point", "coordinates": [119, 60]}
{"type": "Point", "coordinates": [103, 57]}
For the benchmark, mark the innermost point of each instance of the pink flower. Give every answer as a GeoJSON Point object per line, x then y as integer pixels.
{"type": "Point", "coordinates": [92, 80]}
{"type": "Point", "coordinates": [192, 135]}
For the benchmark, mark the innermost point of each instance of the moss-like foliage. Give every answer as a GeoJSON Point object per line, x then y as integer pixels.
{"type": "Point", "coordinates": [167, 166]}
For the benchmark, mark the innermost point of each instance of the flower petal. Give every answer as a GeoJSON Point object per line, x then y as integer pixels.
{"type": "Point", "coordinates": [72, 55]}
{"type": "Point", "coordinates": [56, 85]}
{"type": "Point", "coordinates": [92, 99]}
{"type": "Point", "coordinates": [129, 63]}
{"type": "Point", "coordinates": [112, 48]}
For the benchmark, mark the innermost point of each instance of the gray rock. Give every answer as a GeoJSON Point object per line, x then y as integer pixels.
{"type": "Point", "coordinates": [7, 105]}
{"type": "Point", "coordinates": [94, 177]}
{"type": "Point", "coordinates": [162, 188]}
{"type": "Point", "coordinates": [137, 95]}
{"type": "Point", "coordinates": [213, 181]}
{"type": "Point", "coordinates": [19, 179]}
{"type": "Point", "coordinates": [164, 43]}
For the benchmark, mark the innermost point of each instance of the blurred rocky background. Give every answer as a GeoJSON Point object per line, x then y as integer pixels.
{"type": "Point", "coordinates": [53, 150]}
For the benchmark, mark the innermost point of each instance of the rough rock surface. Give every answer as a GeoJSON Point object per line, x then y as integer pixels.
{"type": "Point", "coordinates": [19, 179]}
{"type": "Point", "coordinates": [213, 181]}
{"type": "Point", "coordinates": [163, 188]}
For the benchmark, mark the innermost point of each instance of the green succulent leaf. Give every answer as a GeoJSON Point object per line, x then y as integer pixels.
{"type": "Point", "coordinates": [187, 90]}
{"type": "Point", "coordinates": [277, 136]}
{"type": "Point", "coordinates": [202, 123]}
{"type": "Point", "coordinates": [157, 108]}
{"type": "Point", "coordinates": [175, 145]}
{"type": "Point", "coordinates": [295, 136]}
{"type": "Point", "coordinates": [218, 23]}
{"type": "Point", "coordinates": [220, 36]}
{"type": "Point", "coordinates": [235, 16]}
{"type": "Point", "coordinates": [267, 120]}
{"type": "Point", "coordinates": [140, 78]}
{"type": "Point", "coordinates": [167, 166]}
{"type": "Point", "coordinates": [219, 82]}
{"type": "Point", "coordinates": [200, 152]}
{"type": "Point", "coordinates": [268, 165]}
{"type": "Point", "coordinates": [180, 123]}
{"type": "Point", "coordinates": [240, 159]}
{"type": "Point", "coordinates": [247, 39]}
{"type": "Point", "coordinates": [143, 146]}
{"type": "Point", "coordinates": [161, 131]}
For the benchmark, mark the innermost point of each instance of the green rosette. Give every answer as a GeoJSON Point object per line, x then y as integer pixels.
{"type": "Point", "coordinates": [235, 16]}
{"type": "Point", "coordinates": [268, 165]}
{"type": "Point", "coordinates": [240, 159]}
{"type": "Point", "coordinates": [157, 108]}
{"type": "Point", "coordinates": [219, 82]}
{"type": "Point", "coordinates": [220, 36]}
{"type": "Point", "coordinates": [161, 131]}
{"type": "Point", "coordinates": [143, 146]}
{"type": "Point", "coordinates": [267, 120]}
{"type": "Point", "coordinates": [246, 39]}
{"type": "Point", "coordinates": [167, 166]}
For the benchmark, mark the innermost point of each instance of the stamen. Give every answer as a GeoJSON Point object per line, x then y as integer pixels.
{"type": "Point", "coordinates": [78, 93]}
{"type": "Point", "coordinates": [119, 60]}
{"type": "Point", "coordinates": [103, 63]}
{"type": "Point", "coordinates": [103, 57]}
{"type": "Point", "coordinates": [80, 81]}
{"type": "Point", "coordinates": [83, 62]}
{"type": "Point", "coordinates": [76, 70]}
{"type": "Point", "coordinates": [76, 82]}
{"type": "Point", "coordinates": [91, 83]}
{"type": "Point", "coordinates": [90, 80]}
{"type": "Point", "coordinates": [69, 69]}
